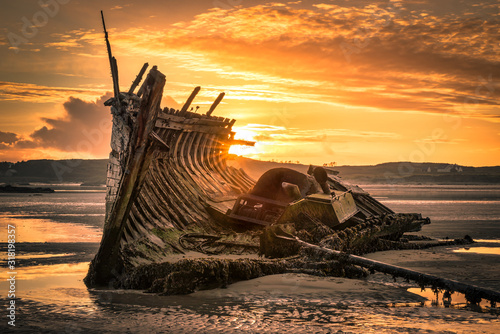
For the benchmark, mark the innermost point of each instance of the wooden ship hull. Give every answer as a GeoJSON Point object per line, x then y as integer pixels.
{"type": "Point", "coordinates": [168, 177]}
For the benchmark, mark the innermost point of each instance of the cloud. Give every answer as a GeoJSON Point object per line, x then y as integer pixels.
{"type": "Point", "coordinates": [336, 61]}
{"type": "Point", "coordinates": [8, 137]}
{"type": "Point", "coordinates": [118, 7]}
{"type": "Point", "coordinates": [26, 144]}
{"type": "Point", "coordinates": [27, 92]}
{"type": "Point", "coordinates": [85, 129]}
{"type": "Point", "coordinates": [432, 140]}
{"type": "Point", "coordinates": [279, 135]}
{"type": "Point", "coordinates": [383, 55]}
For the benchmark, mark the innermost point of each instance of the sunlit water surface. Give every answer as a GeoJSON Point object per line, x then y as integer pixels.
{"type": "Point", "coordinates": [52, 296]}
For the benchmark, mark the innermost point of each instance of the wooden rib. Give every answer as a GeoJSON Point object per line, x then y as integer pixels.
{"type": "Point", "coordinates": [218, 167]}
{"type": "Point", "coordinates": [196, 172]}
{"type": "Point", "coordinates": [181, 168]}
{"type": "Point", "coordinates": [167, 202]}
{"type": "Point", "coordinates": [193, 164]}
{"type": "Point", "coordinates": [191, 156]}
{"type": "Point", "coordinates": [234, 181]}
{"type": "Point", "coordinates": [162, 211]}
{"type": "Point", "coordinates": [201, 157]}
{"type": "Point", "coordinates": [143, 209]}
{"type": "Point", "coordinates": [189, 195]}
{"type": "Point", "coordinates": [200, 162]}
{"type": "Point", "coordinates": [138, 217]}
{"type": "Point", "coordinates": [164, 203]}
{"type": "Point", "coordinates": [183, 195]}
{"type": "Point", "coordinates": [211, 148]}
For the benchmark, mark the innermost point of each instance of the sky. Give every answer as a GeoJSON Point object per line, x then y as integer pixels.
{"type": "Point", "coordinates": [351, 82]}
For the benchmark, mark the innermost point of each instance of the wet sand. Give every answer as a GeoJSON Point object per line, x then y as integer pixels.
{"type": "Point", "coordinates": [456, 263]}
{"type": "Point", "coordinates": [53, 298]}
{"type": "Point", "coordinates": [57, 301]}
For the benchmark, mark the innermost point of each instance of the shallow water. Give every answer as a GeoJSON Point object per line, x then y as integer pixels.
{"type": "Point", "coordinates": [56, 231]}
{"type": "Point", "coordinates": [58, 302]}
{"type": "Point", "coordinates": [480, 250]}
{"type": "Point", "coordinates": [454, 210]}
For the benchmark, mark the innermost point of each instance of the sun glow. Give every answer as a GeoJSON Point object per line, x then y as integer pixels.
{"type": "Point", "coordinates": [243, 150]}
{"type": "Point", "coordinates": [244, 134]}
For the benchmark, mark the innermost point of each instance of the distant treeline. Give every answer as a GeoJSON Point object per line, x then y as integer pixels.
{"type": "Point", "coordinates": [409, 172]}
{"type": "Point", "coordinates": [93, 172]}
{"type": "Point", "coordinates": [59, 171]}
{"type": "Point", "coordinates": [392, 172]}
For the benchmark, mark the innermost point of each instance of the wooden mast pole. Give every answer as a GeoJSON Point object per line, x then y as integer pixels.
{"type": "Point", "coordinates": [112, 63]}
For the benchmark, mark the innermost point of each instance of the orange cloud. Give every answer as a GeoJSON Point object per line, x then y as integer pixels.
{"type": "Point", "coordinates": [84, 131]}
{"type": "Point", "coordinates": [388, 44]}
{"type": "Point", "coordinates": [27, 92]}
{"type": "Point", "coordinates": [384, 58]}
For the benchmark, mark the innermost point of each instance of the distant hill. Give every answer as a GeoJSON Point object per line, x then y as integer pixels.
{"type": "Point", "coordinates": [54, 171]}
{"type": "Point", "coordinates": [391, 172]}
{"type": "Point", "coordinates": [428, 173]}
{"type": "Point", "coordinates": [93, 172]}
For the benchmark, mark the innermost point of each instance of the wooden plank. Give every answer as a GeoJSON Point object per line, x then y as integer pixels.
{"type": "Point", "coordinates": [187, 127]}
{"type": "Point", "coordinates": [102, 268]}
{"type": "Point", "coordinates": [190, 100]}
{"type": "Point", "coordinates": [472, 293]}
{"type": "Point", "coordinates": [195, 119]}
{"type": "Point", "coordinates": [215, 104]}
{"type": "Point", "coordinates": [138, 79]}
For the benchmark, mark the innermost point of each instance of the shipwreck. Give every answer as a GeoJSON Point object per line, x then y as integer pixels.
{"type": "Point", "coordinates": [174, 205]}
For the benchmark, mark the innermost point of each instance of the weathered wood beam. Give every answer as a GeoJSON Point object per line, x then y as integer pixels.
{"type": "Point", "coordinates": [105, 265]}
{"type": "Point", "coordinates": [165, 124]}
{"type": "Point", "coordinates": [112, 64]}
{"type": "Point", "coordinates": [216, 103]}
{"type": "Point", "coordinates": [190, 100]}
{"type": "Point", "coordinates": [473, 293]}
{"type": "Point", "coordinates": [138, 79]}
{"type": "Point", "coordinates": [242, 142]}
{"type": "Point", "coordinates": [156, 137]}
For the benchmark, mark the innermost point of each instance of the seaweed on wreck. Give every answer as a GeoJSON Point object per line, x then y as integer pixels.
{"type": "Point", "coordinates": [189, 275]}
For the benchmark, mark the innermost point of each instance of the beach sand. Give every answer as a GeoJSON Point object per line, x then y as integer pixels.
{"type": "Point", "coordinates": [288, 303]}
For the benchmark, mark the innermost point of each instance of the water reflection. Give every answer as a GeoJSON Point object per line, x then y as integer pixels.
{"type": "Point", "coordinates": [42, 256]}
{"type": "Point", "coordinates": [446, 299]}
{"type": "Point", "coordinates": [56, 297]}
{"type": "Point", "coordinates": [45, 230]}
{"type": "Point", "coordinates": [479, 250]}
{"type": "Point", "coordinates": [64, 272]}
